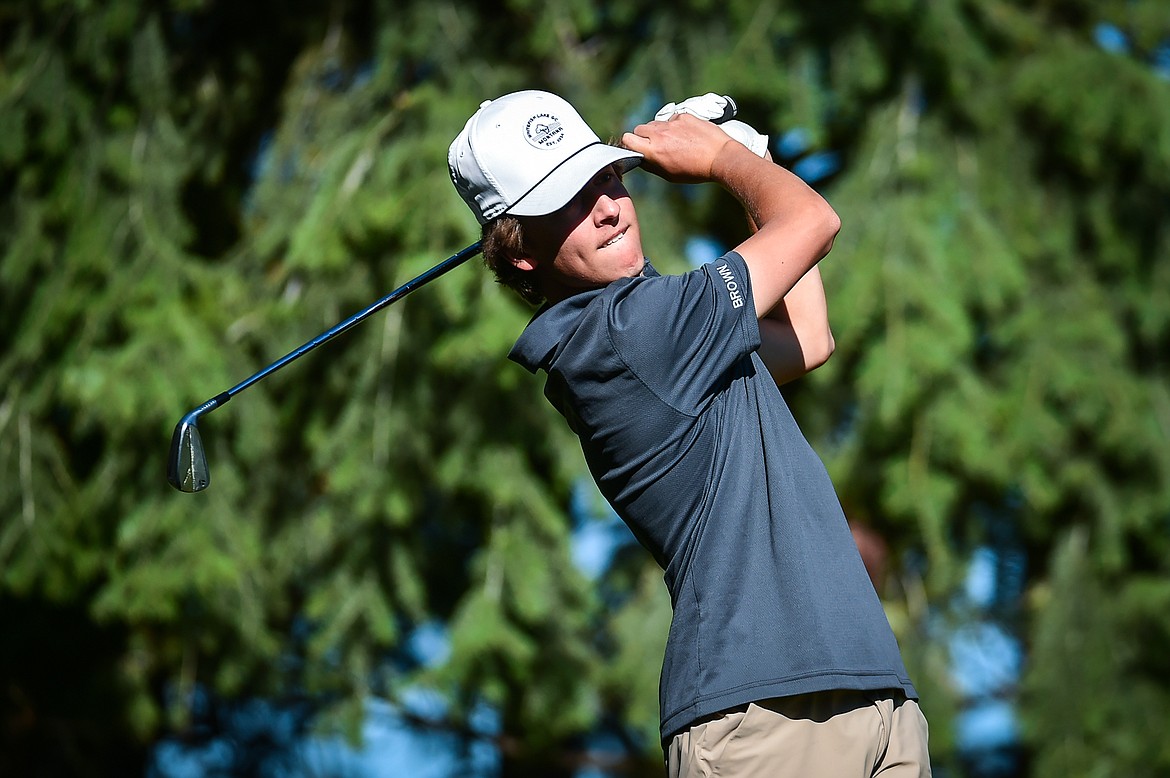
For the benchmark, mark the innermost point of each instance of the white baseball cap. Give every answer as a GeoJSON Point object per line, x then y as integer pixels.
{"type": "Point", "coordinates": [527, 154]}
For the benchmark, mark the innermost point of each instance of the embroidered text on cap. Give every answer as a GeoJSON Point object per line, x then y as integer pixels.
{"type": "Point", "coordinates": [544, 131]}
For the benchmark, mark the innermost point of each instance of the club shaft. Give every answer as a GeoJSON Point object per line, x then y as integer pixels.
{"type": "Point", "coordinates": [448, 264]}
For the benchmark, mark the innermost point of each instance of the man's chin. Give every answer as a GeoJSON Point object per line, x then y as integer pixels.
{"type": "Point", "coordinates": [637, 266]}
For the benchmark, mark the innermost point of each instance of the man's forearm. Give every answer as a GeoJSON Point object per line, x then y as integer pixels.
{"type": "Point", "coordinates": [795, 336]}
{"type": "Point", "coordinates": [795, 226]}
{"type": "Point", "coordinates": [769, 192]}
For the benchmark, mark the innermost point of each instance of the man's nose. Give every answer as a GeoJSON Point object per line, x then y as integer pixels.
{"type": "Point", "coordinates": [606, 209]}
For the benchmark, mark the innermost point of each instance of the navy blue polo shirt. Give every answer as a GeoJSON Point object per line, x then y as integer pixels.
{"type": "Point", "coordinates": [691, 442]}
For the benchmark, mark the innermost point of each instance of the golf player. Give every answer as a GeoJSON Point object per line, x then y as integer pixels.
{"type": "Point", "coordinates": [779, 660]}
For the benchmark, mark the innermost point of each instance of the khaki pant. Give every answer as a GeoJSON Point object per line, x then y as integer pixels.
{"type": "Point", "coordinates": [837, 734]}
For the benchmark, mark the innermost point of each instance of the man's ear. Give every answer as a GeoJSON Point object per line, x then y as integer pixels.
{"type": "Point", "coordinates": [523, 263]}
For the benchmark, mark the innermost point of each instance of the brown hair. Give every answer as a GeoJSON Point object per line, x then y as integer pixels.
{"type": "Point", "coordinates": [503, 240]}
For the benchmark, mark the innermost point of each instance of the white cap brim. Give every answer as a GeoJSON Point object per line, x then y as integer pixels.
{"type": "Point", "coordinates": [570, 177]}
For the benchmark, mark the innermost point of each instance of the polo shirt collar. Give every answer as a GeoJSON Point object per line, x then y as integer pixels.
{"type": "Point", "coordinates": [536, 347]}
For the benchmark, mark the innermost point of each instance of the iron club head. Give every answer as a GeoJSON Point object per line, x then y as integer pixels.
{"type": "Point", "coordinates": [187, 468]}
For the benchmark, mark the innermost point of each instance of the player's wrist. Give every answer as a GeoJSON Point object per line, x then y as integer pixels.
{"type": "Point", "coordinates": [732, 162]}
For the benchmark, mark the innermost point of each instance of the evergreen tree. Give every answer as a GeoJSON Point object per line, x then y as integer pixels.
{"type": "Point", "coordinates": [192, 188]}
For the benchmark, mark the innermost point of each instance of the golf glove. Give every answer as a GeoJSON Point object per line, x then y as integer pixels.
{"type": "Point", "coordinates": [711, 107]}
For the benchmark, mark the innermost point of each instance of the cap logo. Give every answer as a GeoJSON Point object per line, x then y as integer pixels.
{"type": "Point", "coordinates": [544, 131]}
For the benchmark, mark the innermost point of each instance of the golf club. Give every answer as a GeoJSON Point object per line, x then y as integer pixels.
{"type": "Point", "coordinates": [187, 467]}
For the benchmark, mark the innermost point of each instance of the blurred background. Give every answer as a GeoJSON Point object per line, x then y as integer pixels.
{"type": "Point", "coordinates": [401, 566]}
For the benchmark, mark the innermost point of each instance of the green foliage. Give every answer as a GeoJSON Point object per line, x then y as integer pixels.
{"type": "Point", "coordinates": [1097, 636]}
{"type": "Point", "coordinates": [192, 189]}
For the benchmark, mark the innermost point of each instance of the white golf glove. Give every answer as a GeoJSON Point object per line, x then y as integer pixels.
{"type": "Point", "coordinates": [711, 107]}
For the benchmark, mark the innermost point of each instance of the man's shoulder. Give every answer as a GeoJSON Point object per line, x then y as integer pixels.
{"type": "Point", "coordinates": [638, 306]}
{"type": "Point", "coordinates": [552, 324]}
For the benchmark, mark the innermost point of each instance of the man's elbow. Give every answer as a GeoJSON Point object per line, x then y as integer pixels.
{"type": "Point", "coordinates": [818, 350]}
{"type": "Point", "coordinates": [830, 226]}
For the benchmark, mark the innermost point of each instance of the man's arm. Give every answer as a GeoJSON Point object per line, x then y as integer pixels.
{"type": "Point", "coordinates": [796, 225]}
{"type": "Point", "coordinates": [795, 229]}
{"type": "Point", "coordinates": [795, 337]}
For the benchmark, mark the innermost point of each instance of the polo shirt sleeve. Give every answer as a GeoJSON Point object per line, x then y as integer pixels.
{"type": "Point", "coordinates": [684, 335]}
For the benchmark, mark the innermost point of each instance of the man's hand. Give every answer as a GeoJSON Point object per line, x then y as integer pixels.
{"type": "Point", "coordinates": [682, 149]}
{"type": "Point", "coordinates": [720, 110]}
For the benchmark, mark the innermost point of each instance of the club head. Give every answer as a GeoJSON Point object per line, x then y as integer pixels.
{"type": "Point", "coordinates": [187, 468]}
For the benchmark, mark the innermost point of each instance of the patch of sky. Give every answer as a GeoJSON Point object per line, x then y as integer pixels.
{"type": "Point", "coordinates": [429, 644]}
{"type": "Point", "coordinates": [701, 249]}
{"type": "Point", "coordinates": [792, 143]}
{"type": "Point", "coordinates": [597, 533]}
{"type": "Point", "coordinates": [391, 745]}
{"type": "Point", "coordinates": [252, 732]}
{"type": "Point", "coordinates": [792, 148]}
{"type": "Point", "coordinates": [816, 166]}
{"type": "Point", "coordinates": [1160, 59]}
{"type": "Point", "coordinates": [645, 109]}
{"type": "Point", "coordinates": [265, 739]}
{"type": "Point", "coordinates": [1111, 38]}
{"type": "Point", "coordinates": [980, 584]}
{"type": "Point", "coordinates": [987, 660]}
{"type": "Point", "coordinates": [603, 749]}
{"type": "Point", "coordinates": [988, 726]}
